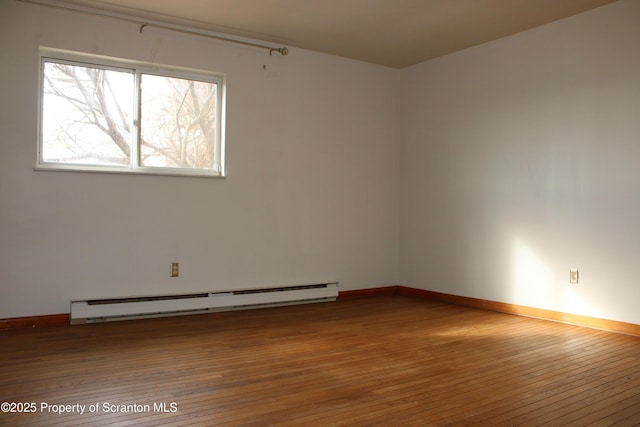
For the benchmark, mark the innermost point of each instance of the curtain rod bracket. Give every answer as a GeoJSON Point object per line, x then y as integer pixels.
{"type": "Point", "coordinates": [142, 27]}
{"type": "Point", "coordinates": [281, 50]}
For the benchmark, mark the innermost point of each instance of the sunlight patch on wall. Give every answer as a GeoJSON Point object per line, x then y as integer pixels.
{"type": "Point", "coordinates": [533, 281]}
{"type": "Point", "coordinates": [573, 303]}
{"type": "Point", "coordinates": [534, 284]}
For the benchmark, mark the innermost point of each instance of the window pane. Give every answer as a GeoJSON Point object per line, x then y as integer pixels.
{"type": "Point", "coordinates": [177, 123]}
{"type": "Point", "coordinates": [86, 115]}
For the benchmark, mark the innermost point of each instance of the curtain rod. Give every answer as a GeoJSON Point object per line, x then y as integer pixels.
{"type": "Point", "coordinates": [281, 50]}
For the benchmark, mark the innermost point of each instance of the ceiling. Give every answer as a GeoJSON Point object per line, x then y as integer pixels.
{"type": "Point", "coordinates": [394, 33]}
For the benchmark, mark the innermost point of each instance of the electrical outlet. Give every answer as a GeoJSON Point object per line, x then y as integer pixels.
{"type": "Point", "coordinates": [175, 269]}
{"type": "Point", "coordinates": [573, 276]}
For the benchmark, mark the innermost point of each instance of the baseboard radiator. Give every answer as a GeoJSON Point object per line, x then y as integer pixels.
{"type": "Point", "coordinates": [103, 310]}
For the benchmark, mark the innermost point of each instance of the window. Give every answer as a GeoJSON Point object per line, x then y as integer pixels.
{"type": "Point", "coordinates": [101, 114]}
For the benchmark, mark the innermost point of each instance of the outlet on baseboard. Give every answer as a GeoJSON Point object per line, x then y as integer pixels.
{"type": "Point", "coordinates": [573, 276]}
{"type": "Point", "coordinates": [175, 269]}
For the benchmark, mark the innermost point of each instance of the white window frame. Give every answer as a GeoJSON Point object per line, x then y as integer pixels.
{"type": "Point", "coordinates": [137, 68]}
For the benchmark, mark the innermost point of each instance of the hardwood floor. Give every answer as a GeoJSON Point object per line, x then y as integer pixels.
{"type": "Point", "coordinates": [389, 360]}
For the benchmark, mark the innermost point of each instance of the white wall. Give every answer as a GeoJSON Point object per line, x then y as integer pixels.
{"type": "Point", "coordinates": [311, 193]}
{"type": "Point", "coordinates": [520, 160]}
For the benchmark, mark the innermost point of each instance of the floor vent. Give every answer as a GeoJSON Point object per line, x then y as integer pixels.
{"type": "Point", "coordinates": [110, 309]}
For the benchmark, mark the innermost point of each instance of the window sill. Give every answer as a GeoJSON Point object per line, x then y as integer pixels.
{"type": "Point", "coordinates": [199, 173]}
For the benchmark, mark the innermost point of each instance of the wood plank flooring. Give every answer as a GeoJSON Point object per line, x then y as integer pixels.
{"type": "Point", "coordinates": [388, 360]}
